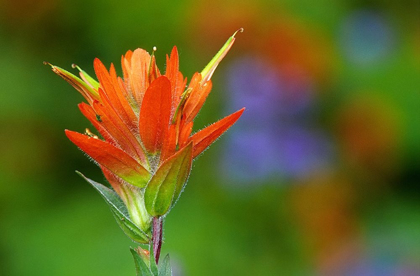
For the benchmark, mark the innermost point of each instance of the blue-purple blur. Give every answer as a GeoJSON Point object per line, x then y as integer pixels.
{"type": "Point", "coordinates": [320, 176]}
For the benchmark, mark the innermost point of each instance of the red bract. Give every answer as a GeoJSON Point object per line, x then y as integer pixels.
{"type": "Point", "coordinates": [145, 118]}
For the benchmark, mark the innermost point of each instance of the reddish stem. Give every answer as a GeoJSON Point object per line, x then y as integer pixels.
{"type": "Point", "coordinates": [157, 237]}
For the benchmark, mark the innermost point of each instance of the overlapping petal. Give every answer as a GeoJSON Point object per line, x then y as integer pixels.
{"type": "Point", "coordinates": [112, 158]}
{"type": "Point", "coordinates": [155, 113]}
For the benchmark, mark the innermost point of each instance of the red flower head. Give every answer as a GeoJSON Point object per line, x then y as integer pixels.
{"type": "Point", "coordinates": [145, 119]}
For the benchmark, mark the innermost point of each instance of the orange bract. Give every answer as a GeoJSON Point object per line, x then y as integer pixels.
{"type": "Point", "coordinates": [144, 118]}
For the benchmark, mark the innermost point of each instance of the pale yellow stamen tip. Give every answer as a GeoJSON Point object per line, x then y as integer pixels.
{"type": "Point", "coordinates": [241, 30]}
{"type": "Point", "coordinates": [76, 66]}
{"type": "Point", "coordinates": [90, 134]}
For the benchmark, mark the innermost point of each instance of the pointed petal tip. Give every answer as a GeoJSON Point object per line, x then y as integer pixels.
{"type": "Point", "coordinates": [211, 66]}
{"type": "Point", "coordinates": [207, 136]}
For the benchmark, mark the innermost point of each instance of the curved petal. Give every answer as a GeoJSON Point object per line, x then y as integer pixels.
{"type": "Point", "coordinates": [196, 101]}
{"type": "Point", "coordinates": [140, 61]}
{"type": "Point", "coordinates": [112, 90]}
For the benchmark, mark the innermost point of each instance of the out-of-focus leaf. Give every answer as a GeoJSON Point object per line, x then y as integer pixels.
{"type": "Point", "coordinates": [152, 263]}
{"type": "Point", "coordinates": [141, 267]}
{"type": "Point", "coordinates": [165, 267]}
{"type": "Point", "coordinates": [120, 212]}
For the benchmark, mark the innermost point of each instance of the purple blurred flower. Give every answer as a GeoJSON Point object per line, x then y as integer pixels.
{"type": "Point", "coordinates": [266, 92]}
{"type": "Point", "coordinates": [302, 151]}
{"type": "Point", "coordinates": [272, 138]}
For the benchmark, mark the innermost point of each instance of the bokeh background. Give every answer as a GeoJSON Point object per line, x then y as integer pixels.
{"type": "Point", "coordinates": [320, 176]}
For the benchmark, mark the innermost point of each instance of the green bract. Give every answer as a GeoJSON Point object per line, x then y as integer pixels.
{"type": "Point", "coordinates": [120, 212]}
{"type": "Point", "coordinates": [166, 184]}
{"type": "Point", "coordinates": [146, 266]}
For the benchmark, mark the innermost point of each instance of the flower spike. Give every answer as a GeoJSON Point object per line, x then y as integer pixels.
{"type": "Point", "coordinates": [144, 144]}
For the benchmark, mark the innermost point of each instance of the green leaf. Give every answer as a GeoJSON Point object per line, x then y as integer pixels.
{"type": "Point", "coordinates": [88, 78]}
{"type": "Point", "coordinates": [209, 69]}
{"type": "Point", "coordinates": [120, 212]}
{"type": "Point", "coordinates": [165, 267]}
{"type": "Point", "coordinates": [166, 184]}
{"type": "Point", "coordinates": [152, 262]}
{"type": "Point", "coordinates": [141, 267]}
{"type": "Point", "coordinates": [76, 82]}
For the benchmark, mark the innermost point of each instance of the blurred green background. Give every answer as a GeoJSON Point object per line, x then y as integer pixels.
{"type": "Point", "coordinates": [320, 176]}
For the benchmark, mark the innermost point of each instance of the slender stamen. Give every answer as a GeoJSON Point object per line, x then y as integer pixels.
{"type": "Point", "coordinates": [90, 134]}
{"type": "Point", "coordinates": [152, 59]}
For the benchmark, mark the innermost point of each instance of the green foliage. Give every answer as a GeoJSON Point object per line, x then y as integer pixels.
{"type": "Point", "coordinates": [166, 184]}
{"type": "Point", "coordinates": [142, 269]}
{"type": "Point", "coordinates": [120, 212]}
{"type": "Point", "coordinates": [152, 261]}
{"type": "Point", "coordinates": [165, 267]}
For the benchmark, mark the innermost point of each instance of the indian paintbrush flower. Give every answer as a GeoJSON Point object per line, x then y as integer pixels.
{"type": "Point", "coordinates": [145, 119]}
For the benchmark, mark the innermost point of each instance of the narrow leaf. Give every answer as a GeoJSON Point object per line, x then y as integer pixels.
{"type": "Point", "coordinates": [141, 266]}
{"type": "Point", "coordinates": [114, 159]}
{"type": "Point", "coordinates": [209, 69]}
{"type": "Point", "coordinates": [166, 184]}
{"type": "Point", "coordinates": [87, 78]}
{"type": "Point", "coordinates": [120, 212]}
{"type": "Point", "coordinates": [165, 267]}
{"type": "Point", "coordinates": [77, 83]}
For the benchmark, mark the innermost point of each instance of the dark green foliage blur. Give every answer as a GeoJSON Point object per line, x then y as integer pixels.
{"type": "Point", "coordinates": [320, 177]}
